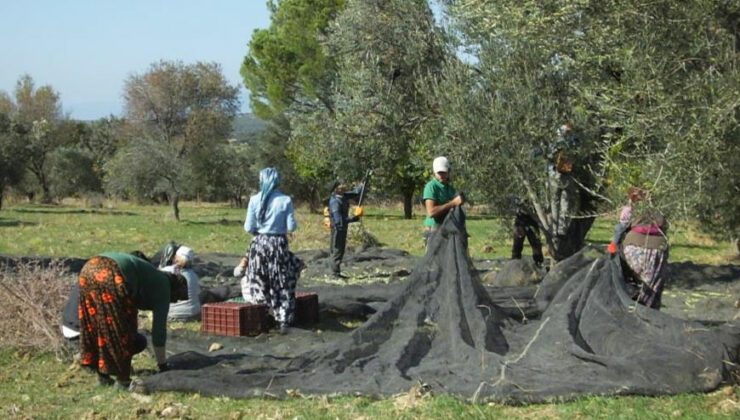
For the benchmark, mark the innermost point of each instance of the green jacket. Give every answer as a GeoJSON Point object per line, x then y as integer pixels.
{"type": "Point", "coordinates": [149, 288]}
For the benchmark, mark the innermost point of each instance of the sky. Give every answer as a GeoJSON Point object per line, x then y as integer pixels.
{"type": "Point", "coordinates": [85, 49]}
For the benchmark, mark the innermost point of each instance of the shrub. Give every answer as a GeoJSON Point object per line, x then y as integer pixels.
{"type": "Point", "coordinates": [33, 296]}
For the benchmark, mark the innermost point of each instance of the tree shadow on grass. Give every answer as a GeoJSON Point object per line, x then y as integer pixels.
{"type": "Point", "coordinates": [696, 246]}
{"type": "Point", "coordinates": [397, 216]}
{"type": "Point", "coordinates": [383, 216]}
{"type": "Point", "coordinates": [76, 211]}
{"type": "Point", "coordinates": [15, 223]}
{"type": "Point", "coordinates": [483, 217]}
{"type": "Point", "coordinates": [222, 222]}
{"type": "Point", "coordinates": [689, 275]}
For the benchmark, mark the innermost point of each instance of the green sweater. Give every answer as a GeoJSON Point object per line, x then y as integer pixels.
{"type": "Point", "coordinates": [149, 288]}
{"type": "Point", "coordinates": [440, 193]}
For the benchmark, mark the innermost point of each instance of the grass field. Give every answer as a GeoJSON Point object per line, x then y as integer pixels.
{"type": "Point", "coordinates": [76, 231]}
{"type": "Point", "coordinates": [42, 386]}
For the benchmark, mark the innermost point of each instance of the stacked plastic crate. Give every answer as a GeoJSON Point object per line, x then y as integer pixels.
{"type": "Point", "coordinates": [234, 319]}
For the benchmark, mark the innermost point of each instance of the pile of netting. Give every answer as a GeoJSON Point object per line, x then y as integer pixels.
{"type": "Point", "coordinates": [441, 329]}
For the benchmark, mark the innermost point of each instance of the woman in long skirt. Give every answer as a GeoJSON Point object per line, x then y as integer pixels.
{"type": "Point", "coordinates": [645, 251]}
{"type": "Point", "coordinates": [272, 270]}
{"type": "Point", "coordinates": [113, 287]}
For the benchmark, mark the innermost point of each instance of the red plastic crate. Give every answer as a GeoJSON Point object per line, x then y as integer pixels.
{"type": "Point", "coordinates": [306, 308]}
{"type": "Point", "coordinates": [234, 319]}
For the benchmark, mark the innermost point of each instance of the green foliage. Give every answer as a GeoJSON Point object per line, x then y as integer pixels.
{"type": "Point", "coordinates": [39, 124]}
{"type": "Point", "coordinates": [380, 105]}
{"type": "Point", "coordinates": [72, 173]}
{"type": "Point", "coordinates": [719, 204]}
{"type": "Point", "coordinates": [285, 63]}
{"type": "Point", "coordinates": [290, 77]}
{"type": "Point", "coordinates": [100, 140]}
{"type": "Point", "coordinates": [651, 87]}
{"type": "Point", "coordinates": [227, 173]}
{"type": "Point", "coordinates": [145, 170]}
{"type": "Point", "coordinates": [179, 113]}
{"type": "Point", "coordinates": [11, 147]}
{"type": "Point", "coordinates": [271, 148]}
{"type": "Point", "coordinates": [187, 106]}
{"type": "Point", "coordinates": [246, 126]}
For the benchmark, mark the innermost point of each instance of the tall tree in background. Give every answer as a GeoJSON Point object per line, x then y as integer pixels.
{"type": "Point", "coordinates": [289, 75]}
{"type": "Point", "coordinates": [285, 64]}
{"type": "Point", "coordinates": [38, 119]}
{"type": "Point", "coordinates": [651, 87]}
{"type": "Point", "coordinates": [383, 49]}
{"type": "Point", "coordinates": [146, 169]}
{"type": "Point", "coordinates": [101, 140]}
{"type": "Point", "coordinates": [179, 112]}
{"type": "Point", "coordinates": [11, 148]}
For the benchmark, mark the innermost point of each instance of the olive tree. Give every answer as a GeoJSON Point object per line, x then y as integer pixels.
{"type": "Point", "coordinates": [650, 87]}
{"type": "Point", "coordinates": [383, 49]}
{"type": "Point", "coordinates": [11, 147]}
{"type": "Point", "coordinates": [36, 114]}
{"type": "Point", "coordinates": [180, 112]}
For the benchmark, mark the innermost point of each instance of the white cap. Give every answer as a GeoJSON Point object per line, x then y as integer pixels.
{"type": "Point", "coordinates": [441, 164]}
{"type": "Point", "coordinates": [185, 253]}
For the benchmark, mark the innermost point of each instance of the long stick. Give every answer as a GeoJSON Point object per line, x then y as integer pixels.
{"type": "Point", "coordinates": [364, 187]}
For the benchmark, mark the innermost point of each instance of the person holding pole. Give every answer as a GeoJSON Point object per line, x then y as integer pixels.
{"type": "Point", "coordinates": [339, 218]}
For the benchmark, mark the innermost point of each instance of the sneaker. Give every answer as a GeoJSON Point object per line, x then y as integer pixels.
{"type": "Point", "coordinates": [340, 276]}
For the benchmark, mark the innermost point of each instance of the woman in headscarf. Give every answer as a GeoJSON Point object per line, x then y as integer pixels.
{"type": "Point", "coordinates": [272, 270]}
{"type": "Point", "coordinates": [182, 264]}
{"type": "Point", "coordinates": [645, 251]}
{"type": "Point", "coordinates": [113, 287]}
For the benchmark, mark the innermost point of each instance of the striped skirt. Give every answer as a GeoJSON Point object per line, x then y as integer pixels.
{"type": "Point", "coordinates": [108, 337]}
{"type": "Point", "coordinates": [272, 274]}
{"type": "Point", "coordinates": [647, 267]}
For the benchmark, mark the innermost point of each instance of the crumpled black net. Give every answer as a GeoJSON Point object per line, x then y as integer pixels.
{"type": "Point", "coordinates": [441, 329]}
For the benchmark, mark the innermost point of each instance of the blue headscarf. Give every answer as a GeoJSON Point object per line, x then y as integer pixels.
{"type": "Point", "coordinates": [269, 181]}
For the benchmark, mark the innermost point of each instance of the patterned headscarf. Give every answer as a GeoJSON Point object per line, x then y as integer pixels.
{"type": "Point", "coordinates": [269, 181]}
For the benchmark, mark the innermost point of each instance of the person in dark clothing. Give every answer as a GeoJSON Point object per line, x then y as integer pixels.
{"type": "Point", "coordinates": [339, 218]}
{"type": "Point", "coordinates": [525, 225]}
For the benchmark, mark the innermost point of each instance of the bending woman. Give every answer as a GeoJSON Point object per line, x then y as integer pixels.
{"type": "Point", "coordinates": [113, 287]}
{"type": "Point", "coordinates": [645, 250]}
{"type": "Point", "coordinates": [182, 264]}
{"type": "Point", "coordinates": [272, 270]}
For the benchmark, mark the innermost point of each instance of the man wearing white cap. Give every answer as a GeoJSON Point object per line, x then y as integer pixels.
{"type": "Point", "coordinates": [439, 196]}
{"type": "Point", "coordinates": [185, 310]}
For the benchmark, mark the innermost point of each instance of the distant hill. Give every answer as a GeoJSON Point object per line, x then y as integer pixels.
{"type": "Point", "coordinates": [247, 125]}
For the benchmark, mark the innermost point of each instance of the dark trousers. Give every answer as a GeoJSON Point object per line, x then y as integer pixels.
{"type": "Point", "coordinates": [533, 236]}
{"type": "Point", "coordinates": [338, 243]}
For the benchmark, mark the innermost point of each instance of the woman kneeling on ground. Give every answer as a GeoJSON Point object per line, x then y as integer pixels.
{"type": "Point", "coordinates": [271, 270]}
{"type": "Point", "coordinates": [113, 287]}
